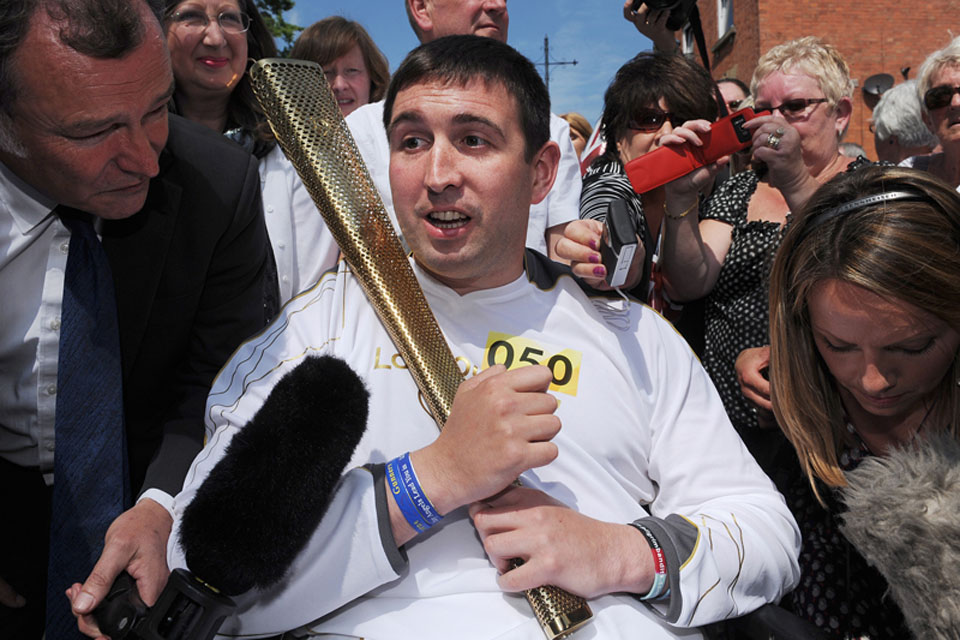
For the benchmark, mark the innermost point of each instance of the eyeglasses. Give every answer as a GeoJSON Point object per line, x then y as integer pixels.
{"type": "Point", "coordinates": [939, 97]}
{"type": "Point", "coordinates": [650, 120]}
{"type": "Point", "coordinates": [796, 108]}
{"type": "Point", "coordinates": [229, 21]}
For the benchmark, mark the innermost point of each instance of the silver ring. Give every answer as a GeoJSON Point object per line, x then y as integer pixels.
{"type": "Point", "coordinates": [780, 131]}
{"type": "Point", "coordinates": [773, 141]}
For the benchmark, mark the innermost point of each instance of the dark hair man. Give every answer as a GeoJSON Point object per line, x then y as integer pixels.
{"type": "Point", "coordinates": [432, 19]}
{"type": "Point", "coordinates": [131, 265]}
{"type": "Point", "coordinates": [622, 443]}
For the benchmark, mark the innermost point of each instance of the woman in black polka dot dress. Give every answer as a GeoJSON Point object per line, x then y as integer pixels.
{"type": "Point", "coordinates": [726, 253]}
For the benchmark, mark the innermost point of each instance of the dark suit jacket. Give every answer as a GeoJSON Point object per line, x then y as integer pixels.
{"type": "Point", "coordinates": [189, 275]}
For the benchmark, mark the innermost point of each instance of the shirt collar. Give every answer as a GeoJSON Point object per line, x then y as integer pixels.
{"type": "Point", "coordinates": [25, 205]}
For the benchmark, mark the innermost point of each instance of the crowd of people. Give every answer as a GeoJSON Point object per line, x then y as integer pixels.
{"type": "Point", "coordinates": [683, 440]}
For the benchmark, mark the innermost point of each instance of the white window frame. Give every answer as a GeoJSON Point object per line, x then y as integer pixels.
{"type": "Point", "coordinates": [686, 39]}
{"type": "Point", "coordinates": [724, 17]}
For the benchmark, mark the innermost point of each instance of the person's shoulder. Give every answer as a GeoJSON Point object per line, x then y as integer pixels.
{"type": "Point", "coordinates": [557, 125]}
{"type": "Point", "coordinates": [202, 170]}
{"type": "Point", "coordinates": [370, 113]}
{"type": "Point", "coordinates": [618, 314]}
{"type": "Point", "coordinates": [728, 202]}
{"type": "Point", "coordinates": [193, 143]}
{"type": "Point", "coordinates": [547, 275]}
{"type": "Point", "coordinates": [603, 169]}
{"type": "Point", "coordinates": [918, 162]}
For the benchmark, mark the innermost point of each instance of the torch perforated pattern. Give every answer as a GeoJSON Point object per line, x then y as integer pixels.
{"type": "Point", "coordinates": [308, 124]}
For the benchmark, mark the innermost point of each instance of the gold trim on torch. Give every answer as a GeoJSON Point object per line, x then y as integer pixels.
{"type": "Point", "coordinates": [311, 130]}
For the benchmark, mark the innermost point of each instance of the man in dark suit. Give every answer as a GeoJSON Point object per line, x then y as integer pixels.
{"type": "Point", "coordinates": [84, 128]}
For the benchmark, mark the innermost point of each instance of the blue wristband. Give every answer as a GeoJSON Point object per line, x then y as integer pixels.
{"type": "Point", "coordinates": [408, 477]}
{"type": "Point", "coordinates": [410, 512]}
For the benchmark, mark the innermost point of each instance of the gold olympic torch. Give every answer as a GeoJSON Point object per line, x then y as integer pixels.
{"type": "Point", "coordinates": [308, 124]}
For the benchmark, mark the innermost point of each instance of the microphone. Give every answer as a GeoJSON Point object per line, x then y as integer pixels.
{"type": "Point", "coordinates": [258, 507]}
{"type": "Point", "coordinates": [904, 518]}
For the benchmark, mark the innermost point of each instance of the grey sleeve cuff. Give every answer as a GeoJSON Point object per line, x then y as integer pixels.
{"type": "Point", "coordinates": [678, 539]}
{"type": "Point", "coordinates": [397, 556]}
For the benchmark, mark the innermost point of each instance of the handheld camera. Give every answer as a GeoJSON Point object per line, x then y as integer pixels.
{"type": "Point", "coordinates": [679, 10]}
{"type": "Point", "coordinates": [665, 164]}
{"type": "Point", "coordinates": [619, 242]}
{"type": "Point", "coordinates": [187, 609]}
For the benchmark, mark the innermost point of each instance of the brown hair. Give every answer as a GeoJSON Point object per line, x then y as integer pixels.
{"type": "Point", "coordinates": [243, 110]}
{"type": "Point", "coordinates": [686, 87]}
{"type": "Point", "coordinates": [326, 40]}
{"type": "Point", "coordinates": [904, 250]}
{"type": "Point", "coordinates": [578, 123]}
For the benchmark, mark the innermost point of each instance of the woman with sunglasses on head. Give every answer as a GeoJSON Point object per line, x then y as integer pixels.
{"type": "Point", "coordinates": [864, 321]}
{"type": "Point", "coordinates": [938, 85]}
{"type": "Point", "coordinates": [211, 42]}
{"type": "Point", "coordinates": [649, 96]}
{"type": "Point", "coordinates": [725, 252]}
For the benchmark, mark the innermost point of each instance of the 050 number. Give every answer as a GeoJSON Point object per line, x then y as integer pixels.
{"type": "Point", "coordinates": [559, 364]}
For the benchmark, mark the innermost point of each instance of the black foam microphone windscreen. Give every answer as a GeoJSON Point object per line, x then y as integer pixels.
{"type": "Point", "coordinates": [263, 500]}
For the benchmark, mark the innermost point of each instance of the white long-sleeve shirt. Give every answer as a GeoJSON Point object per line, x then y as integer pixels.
{"type": "Point", "coordinates": [644, 436]}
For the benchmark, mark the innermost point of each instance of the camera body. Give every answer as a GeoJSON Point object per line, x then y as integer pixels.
{"type": "Point", "coordinates": [662, 165]}
{"type": "Point", "coordinates": [679, 10]}
{"type": "Point", "coordinates": [187, 609]}
{"type": "Point", "coordinates": [619, 242]}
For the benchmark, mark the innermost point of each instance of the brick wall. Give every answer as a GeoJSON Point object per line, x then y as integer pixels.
{"type": "Point", "coordinates": [882, 36]}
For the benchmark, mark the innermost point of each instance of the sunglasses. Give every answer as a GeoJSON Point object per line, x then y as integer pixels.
{"type": "Point", "coordinates": [650, 120]}
{"type": "Point", "coordinates": [939, 97]}
{"type": "Point", "coordinates": [795, 108]}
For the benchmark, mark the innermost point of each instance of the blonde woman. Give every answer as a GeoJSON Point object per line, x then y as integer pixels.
{"type": "Point", "coordinates": [724, 253]}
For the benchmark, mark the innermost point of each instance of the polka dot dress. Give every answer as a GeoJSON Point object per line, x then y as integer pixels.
{"type": "Point", "coordinates": [838, 591]}
{"type": "Point", "coordinates": [736, 313]}
{"type": "Point", "coordinates": [738, 307]}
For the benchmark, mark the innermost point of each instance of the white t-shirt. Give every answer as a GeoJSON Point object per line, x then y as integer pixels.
{"type": "Point", "coordinates": [560, 206]}
{"type": "Point", "coordinates": [644, 434]}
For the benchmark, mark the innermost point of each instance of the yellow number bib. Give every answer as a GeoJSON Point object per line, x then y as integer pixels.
{"type": "Point", "coordinates": [514, 351]}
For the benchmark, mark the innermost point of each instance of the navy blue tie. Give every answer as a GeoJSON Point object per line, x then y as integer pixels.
{"type": "Point", "coordinates": [90, 479]}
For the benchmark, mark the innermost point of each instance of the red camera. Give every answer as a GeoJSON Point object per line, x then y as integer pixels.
{"type": "Point", "coordinates": [660, 166]}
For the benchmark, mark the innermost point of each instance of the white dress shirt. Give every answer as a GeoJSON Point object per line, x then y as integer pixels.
{"type": "Point", "coordinates": [34, 245]}
{"type": "Point", "coordinates": [303, 247]}
{"type": "Point", "coordinates": [33, 257]}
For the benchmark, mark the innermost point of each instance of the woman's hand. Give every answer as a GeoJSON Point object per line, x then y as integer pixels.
{"type": "Point", "coordinates": [777, 145]}
{"type": "Point", "coordinates": [580, 245]}
{"type": "Point", "coordinates": [652, 24]}
{"type": "Point", "coordinates": [684, 189]}
{"type": "Point", "coordinates": [751, 367]}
